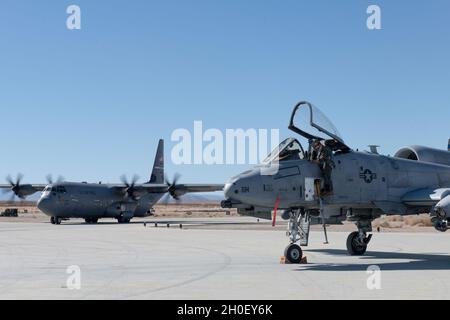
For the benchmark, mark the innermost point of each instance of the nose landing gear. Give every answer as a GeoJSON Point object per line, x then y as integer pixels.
{"type": "Point", "coordinates": [122, 219]}
{"type": "Point", "coordinates": [91, 220]}
{"type": "Point", "coordinates": [293, 253]}
{"type": "Point", "coordinates": [298, 230]}
{"type": "Point", "coordinates": [55, 220]}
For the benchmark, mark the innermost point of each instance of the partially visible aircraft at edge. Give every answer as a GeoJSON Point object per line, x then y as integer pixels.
{"type": "Point", "coordinates": [63, 200]}
{"type": "Point", "coordinates": [366, 184]}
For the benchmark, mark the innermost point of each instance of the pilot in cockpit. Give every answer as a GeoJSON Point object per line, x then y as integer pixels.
{"type": "Point", "coordinates": [291, 152]}
{"type": "Point", "coordinates": [323, 156]}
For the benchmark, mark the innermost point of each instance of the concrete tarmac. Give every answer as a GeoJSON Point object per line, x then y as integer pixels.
{"type": "Point", "coordinates": [136, 262]}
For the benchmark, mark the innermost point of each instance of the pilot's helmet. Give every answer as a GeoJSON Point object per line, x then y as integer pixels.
{"type": "Point", "coordinates": [317, 144]}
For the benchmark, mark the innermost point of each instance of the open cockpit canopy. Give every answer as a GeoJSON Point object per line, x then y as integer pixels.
{"type": "Point", "coordinates": [309, 122]}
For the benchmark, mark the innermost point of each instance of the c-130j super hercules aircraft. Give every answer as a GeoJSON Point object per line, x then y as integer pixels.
{"type": "Point", "coordinates": [366, 184]}
{"type": "Point", "coordinates": [64, 200]}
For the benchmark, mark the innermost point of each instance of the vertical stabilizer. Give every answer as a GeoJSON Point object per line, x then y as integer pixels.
{"type": "Point", "coordinates": [158, 167]}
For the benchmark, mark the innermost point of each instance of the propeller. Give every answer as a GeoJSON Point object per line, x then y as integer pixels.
{"type": "Point", "coordinates": [15, 187]}
{"type": "Point", "coordinates": [172, 186]}
{"type": "Point", "coordinates": [130, 186]}
{"type": "Point", "coordinates": [171, 189]}
{"type": "Point", "coordinates": [50, 180]}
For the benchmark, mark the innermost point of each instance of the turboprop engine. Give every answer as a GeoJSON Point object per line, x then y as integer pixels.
{"type": "Point", "coordinates": [440, 215]}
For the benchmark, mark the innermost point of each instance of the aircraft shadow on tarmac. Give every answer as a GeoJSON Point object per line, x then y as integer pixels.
{"type": "Point", "coordinates": [412, 261]}
{"type": "Point", "coordinates": [172, 223]}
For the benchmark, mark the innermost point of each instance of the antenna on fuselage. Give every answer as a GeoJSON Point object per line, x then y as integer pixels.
{"type": "Point", "coordinates": [373, 148]}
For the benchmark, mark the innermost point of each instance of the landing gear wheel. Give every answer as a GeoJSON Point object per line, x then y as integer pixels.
{"type": "Point", "coordinates": [123, 220]}
{"type": "Point", "coordinates": [94, 220]}
{"type": "Point", "coordinates": [293, 253]}
{"type": "Point", "coordinates": [91, 220]}
{"type": "Point", "coordinates": [354, 245]}
{"type": "Point", "coordinates": [57, 220]}
{"type": "Point", "coordinates": [52, 220]}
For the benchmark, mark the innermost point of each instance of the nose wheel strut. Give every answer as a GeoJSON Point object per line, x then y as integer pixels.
{"type": "Point", "coordinates": [298, 230]}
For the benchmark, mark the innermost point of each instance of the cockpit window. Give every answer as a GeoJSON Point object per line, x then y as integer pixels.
{"type": "Point", "coordinates": [289, 149]}
{"type": "Point", "coordinates": [61, 189]}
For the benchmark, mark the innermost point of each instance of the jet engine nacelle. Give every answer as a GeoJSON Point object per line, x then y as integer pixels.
{"type": "Point", "coordinates": [425, 154]}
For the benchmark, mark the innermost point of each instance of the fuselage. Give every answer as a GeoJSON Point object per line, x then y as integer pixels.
{"type": "Point", "coordinates": [86, 200]}
{"type": "Point", "coordinates": [360, 179]}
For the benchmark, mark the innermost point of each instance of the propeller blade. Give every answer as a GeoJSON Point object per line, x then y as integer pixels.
{"type": "Point", "coordinates": [172, 186]}
{"type": "Point", "coordinates": [166, 180]}
{"type": "Point", "coordinates": [129, 190]}
{"type": "Point", "coordinates": [50, 180]}
{"type": "Point", "coordinates": [15, 186]}
{"type": "Point", "coordinates": [134, 180]}
{"type": "Point", "coordinates": [10, 180]}
{"type": "Point", "coordinates": [123, 179]}
{"type": "Point", "coordinates": [176, 177]}
{"type": "Point", "coordinates": [165, 199]}
{"type": "Point", "coordinates": [19, 178]}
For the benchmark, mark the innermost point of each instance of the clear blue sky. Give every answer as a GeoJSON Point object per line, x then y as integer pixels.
{"type": "Point", "coordinates": [91, 104]}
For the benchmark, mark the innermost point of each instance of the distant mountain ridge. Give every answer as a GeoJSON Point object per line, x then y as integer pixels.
{"type": "Point", "coordinates": [187, 198]}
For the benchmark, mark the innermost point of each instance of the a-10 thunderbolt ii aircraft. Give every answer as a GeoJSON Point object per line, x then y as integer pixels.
{"type": "Point", "coordinates": [366, 184]}
{"type": "Point", "coordinates": [64, 200]}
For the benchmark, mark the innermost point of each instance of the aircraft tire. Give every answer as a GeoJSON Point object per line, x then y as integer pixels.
{"type": "Point", "coordinates": [57, 220]}
{"type": "Point", "coordinates": [293, 253]}
{"type": "Point", "coordinates": [123, 220]}
{"type": "Point", "coordinates": [353, 247]}
{"type": "Point", "coordinates": [52, 220]}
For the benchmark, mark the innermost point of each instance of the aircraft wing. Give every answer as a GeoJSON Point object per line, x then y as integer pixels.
{"type": "Point", "coordinates": [200, 187]}
{"type": "Point", "coordinates": [37, 187]}
{"type": "Point", "coordinates": [23, 190]}
{"type": "Point", "coordinates": [425, 197]}
{"type": "Point", "coordinates": [175, 190]}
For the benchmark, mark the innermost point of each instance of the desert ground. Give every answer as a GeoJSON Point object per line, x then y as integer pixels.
{"type": "Point", "coordinates": [191, 211]}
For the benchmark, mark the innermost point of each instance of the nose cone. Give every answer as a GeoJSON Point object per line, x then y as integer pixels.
{"type": "Point", "coordinates": [229, 190]}
{"type": "Point", "coordinates": [44, 204]}
{"type": "Point", "coordinates": [243, 187]}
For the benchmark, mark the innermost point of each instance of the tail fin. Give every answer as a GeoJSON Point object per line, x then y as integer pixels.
{"type": "Point", "coordinates": [158, 167]}
{"type": "Point", "coordinates": [448, 145]}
